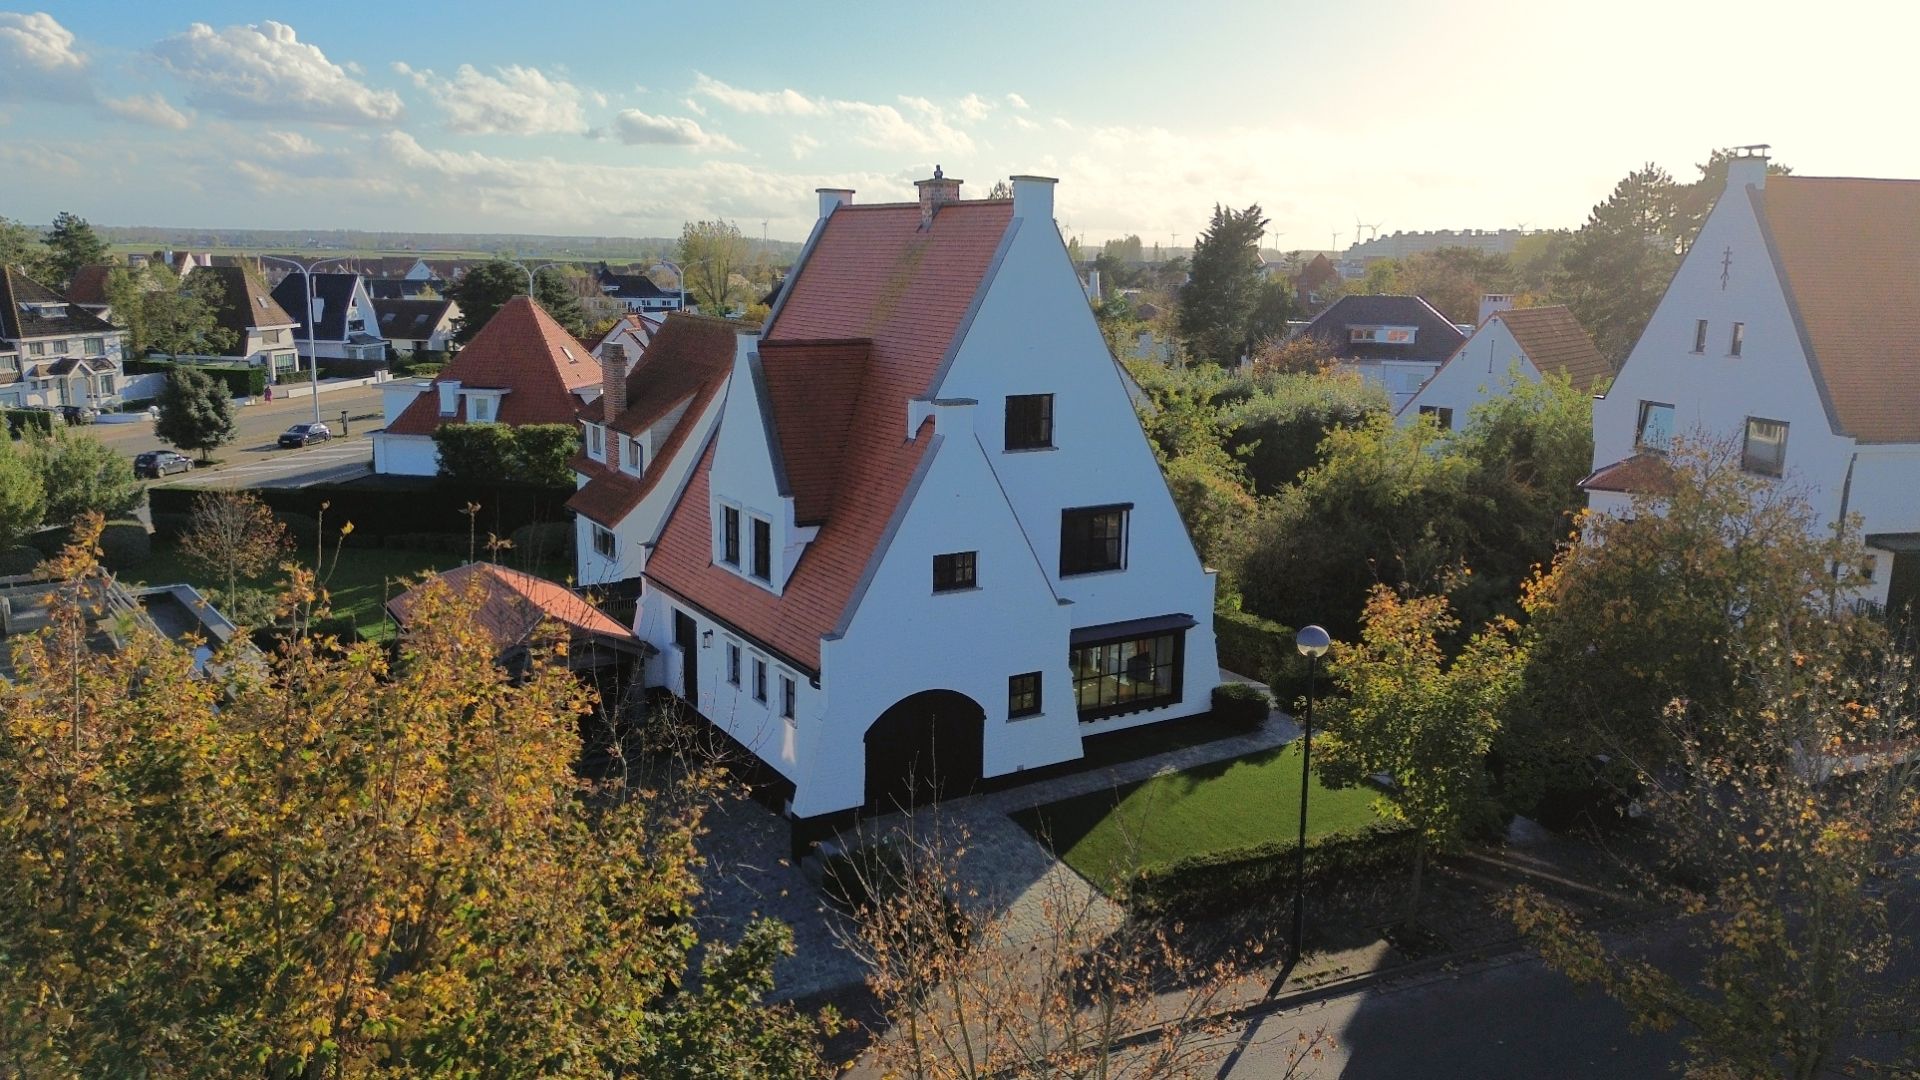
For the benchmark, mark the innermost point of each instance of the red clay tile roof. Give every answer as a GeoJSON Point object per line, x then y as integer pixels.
{"type": "Point", "coordinates": [812, 387]}
{"type": "Point", "coordinates": [520, 349]}
{"type": "Point", "coordinates": [1641, 474]}
{"type": "Point", "coordinates": [687, 362]}
{"type": "Point", "coordinates": [1849, 253]}
{"type": "Point", "coordinates": [513, 603]}
{"type": "Point", "coordinates": [1552, 338]}
{"type": "Point", "coordinates": [89, 285]}
{"type": "Point", "coordinates": [874, 274]}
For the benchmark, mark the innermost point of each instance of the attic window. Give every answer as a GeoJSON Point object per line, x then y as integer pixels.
{"type": "Point", "coordinates": [571, 359]}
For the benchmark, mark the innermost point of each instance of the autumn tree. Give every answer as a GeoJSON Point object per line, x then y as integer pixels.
{"type": "Point", "coordinates": [1426, 722]}
{"type": "Point", "coordinates": [328, 862]}
{"type": "Point", "coordinates": [234, 535]}
{"type": "Point", "coordinates": [1218, 302]}
{"type": "Point", "coordinates": [195, 412]}
{"type": "Point", "coordinates": [72, 244]}
{"type": "Point", "coordinates": [711, 254]}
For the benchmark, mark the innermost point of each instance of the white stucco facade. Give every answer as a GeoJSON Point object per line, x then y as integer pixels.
{"type": "Point", "coordinates": [1474, 374]}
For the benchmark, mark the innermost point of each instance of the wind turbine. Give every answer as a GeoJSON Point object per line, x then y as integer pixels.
{"type": "Point", "coordinates": [1336, 240]}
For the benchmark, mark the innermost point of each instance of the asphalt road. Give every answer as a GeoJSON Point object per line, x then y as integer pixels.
{"type": "Point", "coordinates": [253, 459]}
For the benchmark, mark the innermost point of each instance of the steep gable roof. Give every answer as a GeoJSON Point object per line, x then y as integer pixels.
{"type": "Point", "coordinates": [246, 304]}
{"type": "Point", "coordinates": [812, 388]}
{"type": "Point", "coordinates": [21, 314]}
{"type": "Point", "coordinates": [1434, 337]}
{"type": "Point", "coordinates": [513, 604]}
{"type": "Point", "coordinates": [89, 286]}
{"type": "Point", "coordinates": [332, 292]}
{"type": "Point", "coordinates": [1848, 254]}
{"type": "Point", "coordinates": [1555, 342]}
{"type": "Point", "coordinates": [873, 274]}
{"type": "Point", "coordinates": [411, 320]}
{"type": "Point", "coordinates": [522, 350]}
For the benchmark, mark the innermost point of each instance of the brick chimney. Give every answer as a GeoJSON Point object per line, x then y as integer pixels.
{"type": "Point", "coordinates": [934, 194]}
{"type": "Point", "coordinates": [613, 381]}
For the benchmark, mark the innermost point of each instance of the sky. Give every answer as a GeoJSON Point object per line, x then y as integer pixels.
{"type": "Point", "coordinates": [621, 119]}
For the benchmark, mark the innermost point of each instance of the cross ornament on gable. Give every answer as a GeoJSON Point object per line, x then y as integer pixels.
{"type": "Point", "coordinates": [1726, 268]}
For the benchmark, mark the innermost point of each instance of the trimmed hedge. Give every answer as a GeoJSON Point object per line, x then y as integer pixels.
{"type": "Point", "coordinates": [24, 422]}
{"type": "Point", "coordinates": [125, 545]}
{"type": "Point", "coordinates": [1240, 705]}
{"type": "Point", "coordinates": [549, 540]}
{"type": "Point", "coordinates": [241, 380]}
{"type": "Point", "coordinates": [1250, 645]}
{"type": "Point", "coordinates": [19, 559]}
{"type": "Point", "coordinates": [385, 511]}
{"type": "Point", "coordinates": [1225, 880]}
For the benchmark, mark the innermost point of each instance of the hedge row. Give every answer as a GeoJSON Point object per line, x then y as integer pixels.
{"type": "Point", "coordinates": [241, 380]}
{"type": "Point", "coordinates": [24, 422]}
{"type": "Point", "coordinates": [387, 514]}
{"type": "Point", "coordinates": [1225, 880]}
{"type": "Point", "coordinates": [1262, 649]}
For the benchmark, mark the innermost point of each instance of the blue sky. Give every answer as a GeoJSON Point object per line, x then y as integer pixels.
{"type": "Point", "coordinates": [613, 118]}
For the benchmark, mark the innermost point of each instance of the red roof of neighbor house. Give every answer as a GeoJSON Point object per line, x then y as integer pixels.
{"type": "Point", "coordinates": [89, 285]}
{"type": "Point", "coordinates": [1554, 340]}
{"type": "Point", "coordinates": [522, 350]}
{"type": "Point", "coordinates": [874, 275]}
{"type": "Point", "coordinates": [686, 364]}
{"type": "Point", "coordinates": [513, 604]}
{"type": "Point", "coordinates": [1641, 474]}
{"type": "Point", "coordinates": [1849, 256]}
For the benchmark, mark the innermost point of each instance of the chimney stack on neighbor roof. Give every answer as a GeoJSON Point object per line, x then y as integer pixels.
{"type": "Point", "coordinates": [613, 381]}
{"type": "Point", "coordinates": [1747, 166]}
{"type": "Point", "coordinates": [833, 198]}
{"type": "Point", "coordinates": [1033, 197]}
{"type": "Point", "coordinates": [934, 194]}
{"type": "Point", "coordinates": [1493, 303]}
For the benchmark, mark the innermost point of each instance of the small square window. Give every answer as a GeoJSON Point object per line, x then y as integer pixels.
{"type": "Point", "coordinates": [1700, 336]}
{"type": "Point", "coordinates": [1655, 430]}
{"type": "Point", "coordinates": [603, 542]}
{"type": "Point", "coordinates": [1023, 695]}
{"type": "Point", "coordinates": [1739, 339]}
{"type": "Point", "coordinates": [1029, 421]}
{"type": "Point", "coordinates": [1442, 415]}
{"type": "Point", "coordinates": [789, 697]}
{"type": "Point", "coordinates": [759, 680]}
{"type": "Point", "coordinates": [733, 663]}
{"type": "Point", "coordinates": [762, 549]}
{"type": "Point", "coordinates": [954, 571]}
{"type": "Point", "coordinates": [1093, 539]}
{"type": "Point", "coordinates": [1765, 452]}
{"type": "Point", "coordinates": [730, 536]}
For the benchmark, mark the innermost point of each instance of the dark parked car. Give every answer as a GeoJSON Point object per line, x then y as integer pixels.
{"type": "Point", "coordinates": [302, 434]}
{"type": "Point", "coordinates": [155, 464]}
{"type": "Point", "coordinates": [77, 414]}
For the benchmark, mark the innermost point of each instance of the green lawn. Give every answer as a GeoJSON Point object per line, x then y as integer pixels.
{"type": "Point", "coordinates": [360, 582]}
{"type": "Point", "coordinates": [1229, 804]}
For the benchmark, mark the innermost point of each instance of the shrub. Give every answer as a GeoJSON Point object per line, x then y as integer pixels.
{"type": "Point", "coordinates": [303, 528]}
{"type": "Point", "coordinates": [475, 453]}
{"type": "Point", "coordinates": [125, 545]}
{"type": "Point", "coordinates": [137, 404]}
{"type": "Point", "coordinates": [424, 371]}
{"type": "Point", "coordinates": [541, 541]}
{"type": "Point", "coordinates": [1223, 880]}
{"type": "Point", "coordinates": [1241, 705]}
{"type": "Point", "coordinates": [167, 525]}
{"type": "Point", "coordinates": [19, 559]}
{"type": "Point", "coordinates": [49, 542]}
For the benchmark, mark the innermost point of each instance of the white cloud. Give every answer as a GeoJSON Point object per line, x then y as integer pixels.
{"type": "Point", "coordinates": [975, 108]}
{"type": "Point", "coordinates": [151, 109]}
{"type": "Point", "coordinates": [876, 125]}
{"type": "Point", "coordinates": [39, 60]}
{"type": "Point", "coordinates": [513, 100]}
{"type": "Point", "coordinates": [266, 72]}
{"type": "Point", "coordinates": [804, 144]}
{"type": "Point", "coordinates": [1017, 101]}
{"type": "Point", "coordinates": [766, 103]}
{"type": "Point", "coordinates": [285, 144]}
{"type": "Point", "coordinates": [633, 127]}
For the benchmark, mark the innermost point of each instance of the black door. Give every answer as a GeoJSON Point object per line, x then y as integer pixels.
{"type": "Point", "coordinates": [925, 748]}
{"type": "Point", "coordinates": [685, 635]}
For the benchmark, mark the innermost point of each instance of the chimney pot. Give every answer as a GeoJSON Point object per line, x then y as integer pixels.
{"type": "Point", "coordinates": [613, 381]}
{"type": "Point", "coordinates": [1747, 167]}
{"type": "Point", "coordinates": [832, 199]}
{"type": "Point", "coordinates": [1033, 197]}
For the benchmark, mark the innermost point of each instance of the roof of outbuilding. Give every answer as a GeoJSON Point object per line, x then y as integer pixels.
{"type": "Point", "coordinates": [523, 350]}
{"type": "Point", "coordinates": [22, 318]}
{"type": "Point", "coordinates": [513, 604]}
{"type": "Point", "coordinates": [1555, 342]}
{"type": "Point", "coordinates": [1434, 338]}
{"type": "Point", "coordinates": [1641, 474]}
{"type": "Point", "coordinates": [1848, 254]}
{"type": "Point", "coordinates": [874, 275]}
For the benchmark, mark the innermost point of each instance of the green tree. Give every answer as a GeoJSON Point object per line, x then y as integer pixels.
{"type": "Point", "coordinates": [541, 453]}
{"type": "Point", "coordinates": [1124, 250]}
{"type": "Point", "coordinates": [1277, 432]}
{"type": "Point", "coordinates": [1616, 267]}
{"type": "Point", "coordinates": [21, 249]}
{"type": "Point", "coordinates": [484, 289]}
{"type": "Point", "coordinates": [1273, 307]}
{"type": "Point", "coordinates": [1425, 722]}
{"type": "Point", "coordinates": [711, 254]}
{"type": "Point", "coordinates": [82, 475]}
{"type": "Point", "coordinates": [182, 315]}
{"type": "Point", "coordinates": [475, 453]}
{"type": "Point", "coordinates": [72, 244]}
{"type": "Point", "coordinates": [1218, 301]}
{"type": "Point", "coordinates": [23, 501]}
{"type": "Point", "coordinates": [196, 414]}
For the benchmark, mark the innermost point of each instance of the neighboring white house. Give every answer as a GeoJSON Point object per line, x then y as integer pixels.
{"type": "Point", "coordinates": [417, 325]}
{"type": "Point", "coordinates": [927, 542]}
{"type": "Point", "coordinates": [641, 439]}
{"type": "Point", "coordinates": [345, 324]}
{"type": "Point", "coordinates": [1511, 342]}
{"type": "Point", "coordinates": [1789, 329]}
{"type": "Point", "coordinates": [638, 293]}
{"type": "Point", "coordinates": [260, 331]}
{"type": "Point", "coordinates": [1394, 342]}
{"type": "Point", "coordinates": [53, 352]}
{"type": "Point", "coordinates": [521, 368]}
{"type": "Point", "coordinates": [631, 333]}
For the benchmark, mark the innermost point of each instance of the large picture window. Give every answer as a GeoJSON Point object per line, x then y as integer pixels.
{"type": "Point", "coordinates": [1029, 421]}
{"type": "Point", "coordinates": [1111, 677]}
{"type": "Point", "coordinates": [1655, 430]}
{"type": "Point", "coordinates": [1093, 538]}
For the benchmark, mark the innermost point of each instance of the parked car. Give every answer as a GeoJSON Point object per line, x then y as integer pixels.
{"type": "Point", "coordinates": [78, 414]}
{"type": "Point", "coordinates": [154, 464]}
{"type": "Point", "coordinates": [301, 434]}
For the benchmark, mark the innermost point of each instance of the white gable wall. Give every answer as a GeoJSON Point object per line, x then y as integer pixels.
{"type": "Point", "coordinates": [1476, 372]}
{"type": "Point", "coordinates": [635, 534]}
{"type": "Point", "coordinates": [743, 473]}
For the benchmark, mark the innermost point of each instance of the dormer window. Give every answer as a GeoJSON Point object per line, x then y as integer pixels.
{"type": "Point", "coordinates": [1390, 335]}
{"type": "Point", "coordinates": [480, 408]}
{"type": "Point", "coordinates": [636, 455]}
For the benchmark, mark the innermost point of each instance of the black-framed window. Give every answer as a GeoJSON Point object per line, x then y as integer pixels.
{"type": "Point", "coordinates": [1441, 414]}
{"type": "Point", "coordinates": [762, 549]}
{"type": "Point", "coordinates": [1765, 449]}
{"type": "Point", "coordinates": [1738, 340]}
{"type": "Point", "coordinates": [1023, 695]}
{"type": "Point", "coordinates": [1128, 674]}
{"type": "Point", "coordinates": [1093, 538]}
{"type": "Point", "coordinates": [733, 663]}
{"type": "Point", "coordinates": [730, 536]}
{"type": "Point", "coordinates": [1029, 421]}
{"type": "Point", "coordinates": [603, 542]}
{"type": "Point", "coordinates": [954, 570]}
{"type": "Point", "coordinates": [1700, 335]}
{"type": "Point", "coordinates": [759, 680]}
{"type": "Point", "coordinates": [789, 696]}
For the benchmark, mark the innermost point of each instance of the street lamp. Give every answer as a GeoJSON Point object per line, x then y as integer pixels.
{"type": "Point", "coordinates": [532, 272]}
{"type": "Point", "coordinates": [679, 276]}
{"type": "Point", "coordinates": [306, 319]}
{"type": "Point", "coordinates": [1312, 642]}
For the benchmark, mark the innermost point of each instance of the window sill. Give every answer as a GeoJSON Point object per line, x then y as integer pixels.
{"type": "Point", "coordinates": [1029, 449]}
{"type": "Point", "coordinates": [1014, 718]}
{"type": "Point", "coordinates": [962, 589]}
{"type": "Point", "coordinates": [1064, 575]}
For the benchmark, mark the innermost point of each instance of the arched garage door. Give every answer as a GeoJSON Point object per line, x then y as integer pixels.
{"type": "Point", "coordinates": [926, 747]}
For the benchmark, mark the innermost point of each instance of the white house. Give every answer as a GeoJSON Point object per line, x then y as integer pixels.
{"type": "Point", "coordinates": [413, 326]}
{"type": "Point", "coordinates": [261, 332]}
{"type": "Point", "coordinates": [53, 352]}
{"type": "Point", "coordinates": [345, 324]}
{"type": "Point", "coordinates": [631, 332]}
{"type": "Point", "coordinates": [637, 292]}
{"type": "Point", "coordinates": [1789, 328]}
{"type": "Point", "coordinates": [521, 368]}
{"type": "Point", "coordinates": [1523, 343]}
{"type": "Point", "coordinates": [638, 444]}
{"type": "Point", "coordinates": [927, 542]}
{"type": "Point", "coordinates": [1394, 342]}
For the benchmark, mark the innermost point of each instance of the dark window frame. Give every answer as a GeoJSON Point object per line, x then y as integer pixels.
{"type": "Point", "coordinates": [762, 549]}
{"type": "Point", "coordinates": [1114, 686]}
{"type": "Point", "coordinates": [1699, 336]}
{"type": "Point", "coordinates": [1737, 340]}
{"type": "Point", "coordinates": [760, 679]}
{"type": "Point", "coordinates": [1640, 426]}
{"type": "Point", "coordinates": [1078, 539]}
{"type": "Point", "coordinates": [1442, 415]}
{"type": "Point", "coordinates": [1024, 695]}
{"type": "Point", "coordinates": [1029, 422]}
{"type": "Point", "coordinates": [955, 571]}
{"type": "Point", "coordinates": [730, 536]}
{"type": "Point", "coordinates": [789, 697]}
{"type": "Point", "coordinates": [1777, 469]}
{"type": "Point", "coordinates": [733, 663]}
{"type": "Point", "coordinates": [611, 545]}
